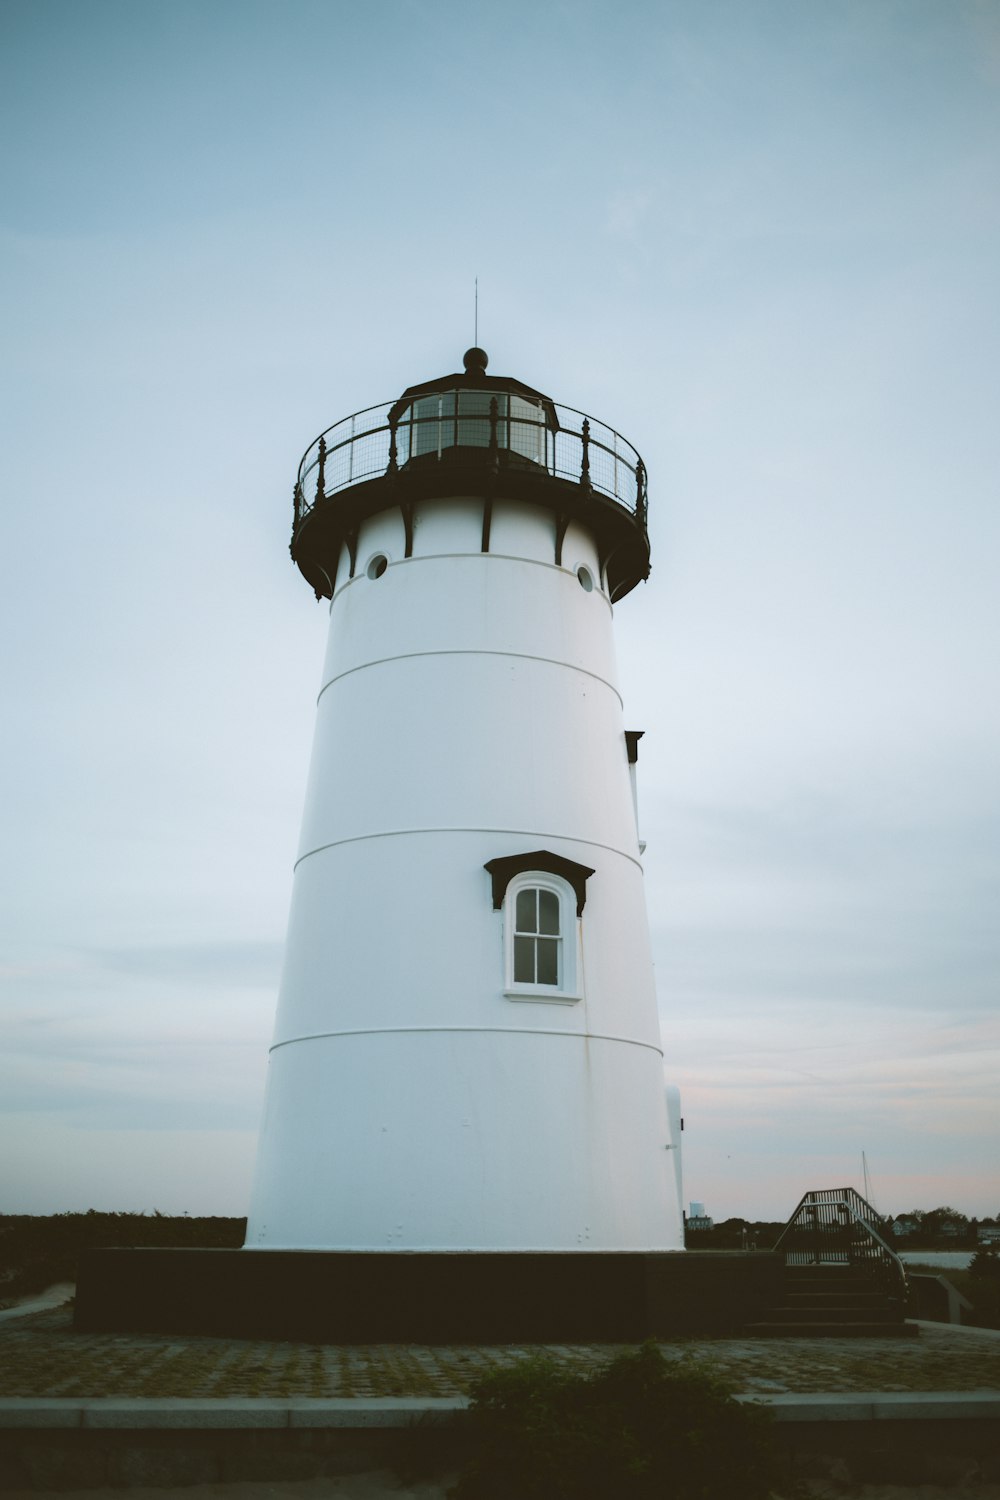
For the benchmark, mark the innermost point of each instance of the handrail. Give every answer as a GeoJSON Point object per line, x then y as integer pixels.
{"type": "Point", "coordinates": [837, 1226]}
{"type": "Point", "coordinates": [378, 440]}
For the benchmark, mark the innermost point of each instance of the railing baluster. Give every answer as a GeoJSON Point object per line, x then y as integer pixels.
{"type": "Point", "coordinates": [585, 456]}
{"type": "Point", "coordinates": [321, 471]}
{"type": "Point", "coordinates": [494, 449]}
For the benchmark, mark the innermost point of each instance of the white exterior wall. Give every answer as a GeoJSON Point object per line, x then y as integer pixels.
{"type": "Point", "coordinates": [468, 710]}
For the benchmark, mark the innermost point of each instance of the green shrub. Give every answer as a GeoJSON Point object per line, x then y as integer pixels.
{"type": "Point", "coordinates": [639, 1428]}
{"type": "Point", "coordinates": [983, 1289]}
{"type": "Point", "coordinates": [986, 1264]}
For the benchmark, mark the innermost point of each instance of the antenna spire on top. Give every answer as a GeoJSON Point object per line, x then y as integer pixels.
{"type": "Point", "coordinates": [475, 336]}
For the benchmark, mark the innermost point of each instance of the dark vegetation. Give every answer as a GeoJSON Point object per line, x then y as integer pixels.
{"type": "Point", "coordinates": [982, 1287]}
{"type": "Point", "coordinates": [941, 1228]}
{"type": "Point", "coordinates": [39, 1250]}
{"type": "Point", "coordinates": [637, 1429]}
{"type": "Point", "coordinates": [735, 1234]}
{"type": "Point", "coordinates": [979, 1282]}
{"type": "Point", "coordinates": [931, 1229]}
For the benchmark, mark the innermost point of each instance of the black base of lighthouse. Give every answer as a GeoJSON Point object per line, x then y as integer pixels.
{"type": "Point", "coordinates": [427, 1298]}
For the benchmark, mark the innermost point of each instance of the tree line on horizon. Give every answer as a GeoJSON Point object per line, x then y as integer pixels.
{"type": "Point", "coordinates": [940, 1228]}
{"type": "Point", "coordinates": [38, 1250]}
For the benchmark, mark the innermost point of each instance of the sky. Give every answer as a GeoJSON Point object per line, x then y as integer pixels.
{"type": "Point", "coordinates": [758, 237]}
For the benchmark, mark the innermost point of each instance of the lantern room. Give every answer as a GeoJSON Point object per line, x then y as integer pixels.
{"type": "Point", "coordinates": [464, 435]}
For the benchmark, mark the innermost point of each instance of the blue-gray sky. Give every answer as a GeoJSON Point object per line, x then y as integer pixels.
{"type": "Point", "coordinates": [761, 238]}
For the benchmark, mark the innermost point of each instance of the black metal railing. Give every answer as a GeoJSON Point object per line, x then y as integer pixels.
{"type": "Point", "coordinates": [836, 1226]}
{"type": "Point", "coordinates": [382, 440]}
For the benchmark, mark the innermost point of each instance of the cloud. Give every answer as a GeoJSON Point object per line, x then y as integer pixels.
{"type": "Point", "coordinates": [243, 964]}
{"type": "Point", "coordinates": [154, 1037]}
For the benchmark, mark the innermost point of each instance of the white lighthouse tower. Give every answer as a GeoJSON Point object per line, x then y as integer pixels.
{"type": "Point", "coordinates": [467, 1055]}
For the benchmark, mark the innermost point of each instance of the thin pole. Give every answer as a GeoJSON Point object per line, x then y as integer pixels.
{"type": "Point", "coordinates": [475, 336]}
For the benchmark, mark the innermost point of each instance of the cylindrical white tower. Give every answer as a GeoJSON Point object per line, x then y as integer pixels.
{"type": "Point", "coordinates": [467, 1053]}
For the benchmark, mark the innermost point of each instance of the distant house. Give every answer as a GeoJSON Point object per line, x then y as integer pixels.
{"type": "Point", "coordinates": [700, 1221]}
{"type": "Point", "coordinates": [989, 1234]}
{"type": "Point", "coordinates": [904, 1226]}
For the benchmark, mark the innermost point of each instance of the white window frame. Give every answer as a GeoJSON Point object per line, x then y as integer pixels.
{"type": "Point", "coordinates": [568, 989]}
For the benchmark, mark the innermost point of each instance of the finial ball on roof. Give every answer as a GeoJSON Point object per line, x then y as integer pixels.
{"type": "Point", "coordinates": [475, 361]}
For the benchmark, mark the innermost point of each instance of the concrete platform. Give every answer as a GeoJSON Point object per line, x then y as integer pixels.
{"type": "Point", "coordinates": [88, 1410]}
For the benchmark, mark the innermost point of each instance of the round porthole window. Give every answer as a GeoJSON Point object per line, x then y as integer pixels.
{"type": "Point", "coordinates": [378, 565]}
{"type": "Point", "coordinates": [586, 578]}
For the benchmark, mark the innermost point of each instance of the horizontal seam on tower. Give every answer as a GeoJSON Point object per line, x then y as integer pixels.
{"type": "Point", "coordinates": [554, 661]}
{"type": "Point", "coordinates": [528, 833]}
{"type": "Point", "coordinates": [583, 1036]}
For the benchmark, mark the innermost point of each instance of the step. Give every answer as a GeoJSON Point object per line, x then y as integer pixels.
{"type": "Point", "coordinates": [833, 1299]}
{"type": "Point", "coordinates": [849, 1314]}
{"type": "Point", "coordinates": [865, 1330]}
{"type": "Point", "coordinates": [827, 1273]}
{"type": "Point", "coordinates": [826, 1277]}
{"type": "Point", "coordinates": [854, 1285]}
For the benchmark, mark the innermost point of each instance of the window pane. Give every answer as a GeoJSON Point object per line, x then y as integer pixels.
{"type": "Point", "coordinates": [527, 912]}
{"type": "Point", "coordinates": [433, 423]}
{"type": "Point", "coordinates": [524, 960]}
{"type": "Point", "coordinates": [548, 911]}
{"type": "Point", "coordinates": [477, 403]}
{"type": "Point", "coordinates": [473, 433]}
{"type": "Point", "coordinates": [548, 960]}
{"type": "Point", "coordinates": [527, 436]}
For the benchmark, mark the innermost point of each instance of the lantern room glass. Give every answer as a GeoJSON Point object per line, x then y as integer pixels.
{"type": "Point", "coordinates": [461, 419]}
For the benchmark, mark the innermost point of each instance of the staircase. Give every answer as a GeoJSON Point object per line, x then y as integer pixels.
{"type": "Point", "coordinates": [830, 1301]}
{"type": "Point", "coordinates": [841, 1279]}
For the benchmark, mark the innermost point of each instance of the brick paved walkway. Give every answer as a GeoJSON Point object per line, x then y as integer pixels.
{"type": "Point", "coordinates": [41, 1355]}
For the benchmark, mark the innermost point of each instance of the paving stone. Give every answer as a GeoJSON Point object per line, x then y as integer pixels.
{"type": "Point", "coordinates": [41, 1355]}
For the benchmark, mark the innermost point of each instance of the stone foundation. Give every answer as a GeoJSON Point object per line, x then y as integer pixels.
{"type": "Point", "coordinates": [370, 1298]}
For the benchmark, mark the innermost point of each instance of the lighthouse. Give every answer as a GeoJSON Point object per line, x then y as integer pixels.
{"type": "Point", "coordinates": [466, 1055]}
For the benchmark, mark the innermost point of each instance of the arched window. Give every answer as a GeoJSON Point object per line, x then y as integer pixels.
{"type": "Point", "coordinates": [538, 938]}
{"type": "Point", "coordinates": [541, 896]}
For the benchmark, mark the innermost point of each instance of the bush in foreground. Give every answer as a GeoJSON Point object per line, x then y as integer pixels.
{"type": "Point", "coordinates": [637, 1429]}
